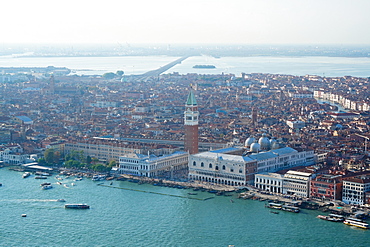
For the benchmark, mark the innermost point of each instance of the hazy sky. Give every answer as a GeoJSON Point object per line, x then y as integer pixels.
{"type": "Point", "coordinates": [186, 21]}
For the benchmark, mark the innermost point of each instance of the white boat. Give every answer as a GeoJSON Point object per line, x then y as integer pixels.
{"type": "Point", "coordinates": [331, 217]}
{"type": "Point", "coordinates": [46, 187]}
{"type": "Point", "coordinates": [26, 175]}
{"type": "Point", "coordinates": [61, 200]}
{"type": "Point", "coordinates": [42, 173]}
{"type": "Point", "coordinates": [98, 177]}
{"type": "Point", "coordinates": [356, 222]}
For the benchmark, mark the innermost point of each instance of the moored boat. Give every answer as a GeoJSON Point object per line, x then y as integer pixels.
{"type": "Point", "coordinates": [274, 205]}
{"type": "Point", "coordinates": [332, 217]}
{"type": "Point", "coordinates": [77, 206]}
{"type": "Point", "coordinates": [41, 177]}
{"type": "Point", "coordinates": [356, 222]}
{"type": "Point", "coordinates": [26, 175]}
{"type": "Point", "coordinates": [42, 173]}
{"type": "Point", "coordinates": [290, 209]}
{"type": "Point", "coordinates": [98, 177]}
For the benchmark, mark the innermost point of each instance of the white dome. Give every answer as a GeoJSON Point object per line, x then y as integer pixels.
{"type": "Point", "coordinates": [275, 145]}
{"type": "Point", "coordinates": [249, 141]}
{"type": "Point", "coordinates": [255, 147]}
{"type": "Point", "coordinates": [264, 142]}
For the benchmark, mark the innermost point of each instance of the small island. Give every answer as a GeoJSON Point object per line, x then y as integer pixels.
{"type": "Point", "coordinates": [198, 66]}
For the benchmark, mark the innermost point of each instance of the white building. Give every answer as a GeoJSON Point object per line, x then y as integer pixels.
{"type": "Point", "coordinates": [236, 166]}
{"type": "Point", "coordinates": [13, 154]}
{"type": "Point", "coordinates": [152, 165]}
{"type": "Point", "coordinates": [295, 124]}
{"type": "Point", "coordinates": [297, 183]}
{"type": "Point", "coordinates": [354, 190]}
{"type": "Point", "coordinates": [301, 94]}
{"type": "Point", "coordinates": [282, 158]}
{"type": "Point", "coordinates": [222, 168]}
{"type": "Point", "coordinates": [106, 149]}
{"type": "Point", "coordinates": [272, 182]}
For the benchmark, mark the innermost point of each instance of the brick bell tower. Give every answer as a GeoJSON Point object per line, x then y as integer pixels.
{"type": "Point", "coordinates": [191, 116]}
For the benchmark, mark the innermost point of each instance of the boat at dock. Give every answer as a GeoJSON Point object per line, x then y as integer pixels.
{"type": "Point", "coordinates": [98, 177]}
{"type": "Point", "coordinates": [77, 206]}
{"type": "Point", "coordinates": [274, 205]}
{"type": "Point", "coordinates": [332, 217]}
{"type": "Point", "coordinates": [43, 173]}
{"type": "Point", "coordinates": [289, 208]}
{"type": "Point", "coordinates": [26, 175]}
{"type": "Point", "coordinates": [279, 206]}
{"type": "Point", "coordinates": [41, 177]}
{"type": "Point", "coordinates": [356, 222]}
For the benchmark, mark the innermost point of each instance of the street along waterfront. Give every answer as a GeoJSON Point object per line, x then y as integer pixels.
{"type": "Point", "coordinates": [129, 217]}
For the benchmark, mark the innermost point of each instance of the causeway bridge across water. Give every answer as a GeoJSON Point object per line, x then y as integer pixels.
{"type": "Point", "coordinates": [157, 72]}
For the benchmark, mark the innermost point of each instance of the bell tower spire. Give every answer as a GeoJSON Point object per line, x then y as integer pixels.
{"type": "Point", "coordinates": [191, 118]}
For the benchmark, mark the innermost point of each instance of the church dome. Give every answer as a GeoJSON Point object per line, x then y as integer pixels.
{"type": "Point", "coordinates": [275, 145]}
{"type": "Point", "coordinates": [255, 147]}
{"type": "Point", "coordinates": [264, 142]}
{"type": "Point", "coordinates": [250, 140]}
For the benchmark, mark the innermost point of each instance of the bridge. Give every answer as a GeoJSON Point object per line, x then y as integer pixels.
{"type": "Point", "coordinates": [157, 72]}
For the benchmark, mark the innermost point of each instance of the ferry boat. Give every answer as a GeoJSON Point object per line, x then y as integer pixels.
{"type": "Point", "coordinates": [274, 205]}
{"type": "Point", "coordinates": [290, 209]}
{"type": "Point", "coordinates": [332, 217]}
{"type": "Point", "coordinates": [356, 222]}
{"type": "Point", "coordinates": [77, 206]}
{"type": "Point", "coordinates": [26, 175]}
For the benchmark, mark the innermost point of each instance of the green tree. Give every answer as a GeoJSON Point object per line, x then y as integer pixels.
{"type": "Point", "coordinates": [109, 75]}
{"type": "Point", "coordinates": [100, 168]}
{"type": "Point", "coordinates": [41, 161]}
{"type": "Point", "coordinates": [119, 73]}
{"type": "Point", "coordinates": [49, 156]}
{"type": "Point", "coordinates": [88, 159]}
{"type": "Point", "coordinates": [112, 163]}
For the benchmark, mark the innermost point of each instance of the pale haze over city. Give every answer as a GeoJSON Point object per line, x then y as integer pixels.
{"type": "Point", "coordinates": [220, 123]}
{"type": "Point", "coordinates": [186, 21]}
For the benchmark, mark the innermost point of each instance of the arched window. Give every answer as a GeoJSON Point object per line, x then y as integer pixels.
{"type": "Point", "coordinates": [202, 164]}
{"type": "Point", "coordinates": [210, 165]}
{"type": "Point", "coordinates": [223, 167]}
{"type": "Point", "coordinates": [194, 163]}
{"type": "Point", "coordinates": [231, 169]}
{"type": "Point", "coordinates": [240, 171]}
{"type": "Point", "coordinates": [216, 168]}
